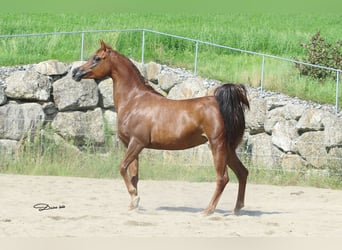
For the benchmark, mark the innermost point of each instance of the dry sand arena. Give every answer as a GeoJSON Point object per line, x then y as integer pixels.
{"type": "Point", "coordinates": [98, 207]}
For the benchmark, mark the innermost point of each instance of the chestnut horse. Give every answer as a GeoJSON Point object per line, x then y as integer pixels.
{"type": "Point", "coordinates": [147, 119]}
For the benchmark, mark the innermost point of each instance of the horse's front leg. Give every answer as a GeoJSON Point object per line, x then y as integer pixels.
{"type": "Point", "coordinates": [131, 180]}
{"type": "Point", "coordinates": [134, 175]}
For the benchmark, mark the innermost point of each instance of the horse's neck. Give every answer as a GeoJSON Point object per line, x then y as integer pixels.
{"type": "Point", "coordinates": [127, 84]}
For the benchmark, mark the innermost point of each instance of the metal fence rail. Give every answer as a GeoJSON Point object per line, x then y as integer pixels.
{"type": "Point", "coordinates": [197, 43]}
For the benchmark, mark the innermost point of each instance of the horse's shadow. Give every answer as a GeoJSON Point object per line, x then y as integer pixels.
{"type": "Point", "coordinates": [251, 213]}
{"type": "Point", "coordinates": [258, 213]}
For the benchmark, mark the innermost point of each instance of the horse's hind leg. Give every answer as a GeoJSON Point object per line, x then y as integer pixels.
{"type": "Point", "coordinates": [131, 160]}
{"type": "Point", "coordinates": [241, 173]}
{"type": "Point", "coordinates": [220, 162]}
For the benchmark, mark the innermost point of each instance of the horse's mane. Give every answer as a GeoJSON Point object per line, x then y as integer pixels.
{"type": "Point", "coordinates": [142, 79]}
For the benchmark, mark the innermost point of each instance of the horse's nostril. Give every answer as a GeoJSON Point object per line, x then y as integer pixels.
{"type": "Point", "coordinates": [74, 71]}
{"type": "Point", "coordinates": [77, 74]}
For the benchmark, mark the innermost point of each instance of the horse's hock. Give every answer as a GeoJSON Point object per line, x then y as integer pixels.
{"type": "Point", "coordinates": [280, 131]}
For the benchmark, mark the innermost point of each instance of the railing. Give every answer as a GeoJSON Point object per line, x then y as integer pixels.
{"type": "Point", "coordinates": [197, 43]}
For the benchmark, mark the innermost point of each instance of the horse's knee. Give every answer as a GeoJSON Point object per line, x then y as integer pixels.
{"type": "Point", "coordinates": [226, 178]}
{"type": "Point", "coordinates": [123, 171]}
{"type": "Point", "coordinates": [222, 180]}
{"type": "Point", "coordinates": [133, 191]}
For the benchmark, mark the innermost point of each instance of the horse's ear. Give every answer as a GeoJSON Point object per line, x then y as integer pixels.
{"type": "Point", "coordinates": [103, 44]}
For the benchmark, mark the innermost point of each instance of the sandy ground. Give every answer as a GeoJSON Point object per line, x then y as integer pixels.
{"type": "Point", "coordinates": [98, 207]}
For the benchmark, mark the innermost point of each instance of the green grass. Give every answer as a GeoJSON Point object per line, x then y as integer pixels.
{"type": "Point", "coordinates": [63, 163]}
{"type": "Point", "coordinates": [276, 34]}
{"type": "Point", "coordinates": [41, 155]}
{"type": "Point", "coordinates": [288, 178]}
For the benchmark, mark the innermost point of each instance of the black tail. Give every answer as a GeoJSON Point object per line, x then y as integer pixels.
{"type": "Point", "coordinates": [232, 100]}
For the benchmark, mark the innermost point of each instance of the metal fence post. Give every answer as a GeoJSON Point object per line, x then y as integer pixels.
{"type": "Point", "coordinates": [337, 80]}
{"type": "Point", "coordinates": [82, 47]}
{"type": "Point", "coordinates": [143, 47]}
{"type": "Point", "coordinates": [262, 74]}
{"type": "Point", "coordinates": [196, 58]}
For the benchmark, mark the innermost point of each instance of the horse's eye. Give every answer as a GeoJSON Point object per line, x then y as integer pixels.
{"type": "Point", "coordinates": [97, 59]}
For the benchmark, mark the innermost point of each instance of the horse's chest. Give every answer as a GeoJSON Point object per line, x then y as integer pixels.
{"type": "Point", "coordinates": [129, 127]}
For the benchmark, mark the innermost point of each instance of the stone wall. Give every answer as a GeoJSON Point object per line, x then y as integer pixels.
{"type": "Point", "coordinates": [281, 131]}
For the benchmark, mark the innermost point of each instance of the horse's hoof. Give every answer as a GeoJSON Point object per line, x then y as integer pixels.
{"type": "Point", "coordinates": [207, 212]}
{"type": "Point", "coordinates": [134, 203]}
{"type": "Point", "coordinates": [237, 209]}
{"type": "Point", "coordinates": [236, 212]}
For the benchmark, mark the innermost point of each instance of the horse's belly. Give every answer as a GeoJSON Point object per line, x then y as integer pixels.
{"type": "Point", "coordinates": [177, 143]}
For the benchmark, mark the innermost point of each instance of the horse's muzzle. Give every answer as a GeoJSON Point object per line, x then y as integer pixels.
{"type": "Point", "coordinates": [77, 74]}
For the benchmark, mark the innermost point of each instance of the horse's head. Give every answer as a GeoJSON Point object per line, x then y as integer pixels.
{"type": "Point", "coordinates": [97, 67]}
